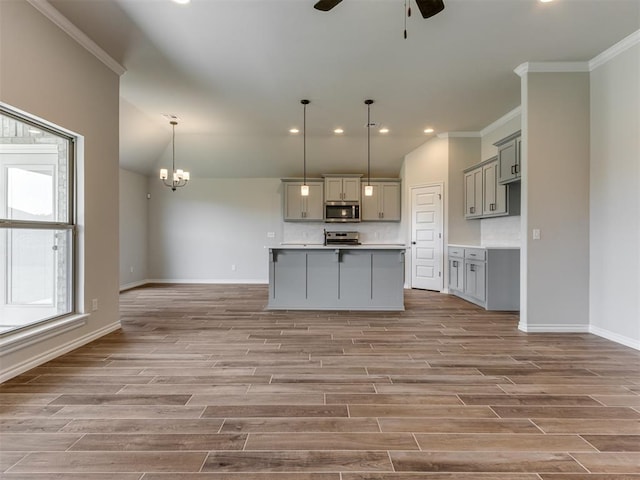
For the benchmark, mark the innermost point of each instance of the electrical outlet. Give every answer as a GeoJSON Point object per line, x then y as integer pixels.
{"type": "Point", "coordinates": [94, 304]}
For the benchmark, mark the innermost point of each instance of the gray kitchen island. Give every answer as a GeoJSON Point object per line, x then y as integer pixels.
{"type": "Point", "coordinates": [319, 277]}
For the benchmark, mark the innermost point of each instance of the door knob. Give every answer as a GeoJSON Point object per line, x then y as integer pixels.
{"type": "Point", "coordinates": [413, 243]}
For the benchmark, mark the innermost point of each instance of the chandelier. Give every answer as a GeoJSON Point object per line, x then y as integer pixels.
{"type": "Point", "coordinates": [179, 177]}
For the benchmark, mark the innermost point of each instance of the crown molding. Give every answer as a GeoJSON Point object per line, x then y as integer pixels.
{"type": "Point", "coordinates": [615, 50]}
{"type": "Point", "coordinates": [44, 7]}
{"type": "Point", "coordinates": [459, 135]}
{"type": "Point", "coordinates": [515, 113]}
{"type": "Point", "coordinates": [551, 67]}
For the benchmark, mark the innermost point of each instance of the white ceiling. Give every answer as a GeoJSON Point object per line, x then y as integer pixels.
{"type": "Point", "coordinates": [234, 72]}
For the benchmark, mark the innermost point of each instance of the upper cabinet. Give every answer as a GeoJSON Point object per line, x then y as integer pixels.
{"type": "Point", "coordinates": [342, 188]}
{"type": "Point", "coordinates": [473, 192]}
{"type": "Point", "coordinates": [384, 204]}
{"type": "Point", "coordinates": [299, 208]}
{"type": "Point", "coordinates": [484, 196]}
{"type": "Point", "coordinates": [509, 158]}
{"type": "Point", "coordinates": [494, 195]}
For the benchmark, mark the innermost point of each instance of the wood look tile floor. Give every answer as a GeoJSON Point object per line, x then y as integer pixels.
{"type": "Point", "coordinates": [202, 383]}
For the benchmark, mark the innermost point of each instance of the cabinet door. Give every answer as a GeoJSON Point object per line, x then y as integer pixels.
{"type": "Point", "coordinates": [456, 276]}
{"type": "Point", "coordinates": [369, 207]}
{"type": "Point", "coordinates": [390, 202]}
{"type": "Point", "coordinates": [333, 189]}
{"type": "Point", "coordinates": [293, 206]}
{"type": "Point", "coordinates": [474, 280]}
{"type": "Point", "coordinates": [507, 155]}
{"type": "Point", "coordinates": [351, 189]}
{"type": "Point", "coordinates": [494, 195]}
{"type": "Point", "coordinates": [518, 152]}
{"type": "Point", "coordinates": [473, 193]}
{"type": "Point", "coordinates": [314, 205]}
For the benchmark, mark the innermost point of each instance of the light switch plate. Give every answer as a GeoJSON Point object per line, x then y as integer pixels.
{"type": "Point", "coordinates": [536, 234]}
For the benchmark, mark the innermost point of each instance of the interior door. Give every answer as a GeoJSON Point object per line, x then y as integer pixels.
{"type": "Point", "coordinates": [426, 238]}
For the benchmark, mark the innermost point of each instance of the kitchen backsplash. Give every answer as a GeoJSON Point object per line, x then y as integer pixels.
{"type": "Point", "coordinates": [500, 232]}
{"type": "Point", "coordinates": [313, 232]}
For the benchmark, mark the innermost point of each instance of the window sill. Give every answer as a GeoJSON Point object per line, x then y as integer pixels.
{"type": "Point", "coordinates": [15, 341]}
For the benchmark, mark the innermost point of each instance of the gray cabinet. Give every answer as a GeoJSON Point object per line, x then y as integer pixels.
{"type": "Point", "coordinates": [484, 196]}
{"type": "Point", "coordinates": [488, 277]}
{"type": "Point", "coordinates": [473, 193]}
{"type": "Point", "coordinates": [341, 188]}
{"type": "Point", "coordinates": [509, 158]}
{"type": "Point", "coordinates": [456, 269]}
{"type": "Point", "coordinates": [299, 208]}
{"type": "Point", "coordinates": [494, 195]}
{"type": "Point", "coordinates": [324, 278]}
{"type": "Point", "coordinates": [384, 204]}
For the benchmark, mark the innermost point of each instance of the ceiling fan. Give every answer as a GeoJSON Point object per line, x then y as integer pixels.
{"type": "Point", "coordinates": [428, 8]}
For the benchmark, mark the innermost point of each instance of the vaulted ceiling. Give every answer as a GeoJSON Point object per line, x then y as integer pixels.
{"type": "Point", "coordinates": [234, 72]}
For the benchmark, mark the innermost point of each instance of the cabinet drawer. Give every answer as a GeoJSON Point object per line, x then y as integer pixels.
{"type": "Point", "coordinates": [456, 252]}
{"type": "Point", "coordinates": [475, 253]}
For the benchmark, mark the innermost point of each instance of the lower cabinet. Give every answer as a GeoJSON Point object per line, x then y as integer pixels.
{"type": "Point", "coordinates": [488, 277]}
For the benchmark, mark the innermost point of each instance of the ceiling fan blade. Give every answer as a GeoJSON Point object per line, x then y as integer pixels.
{"type": "Point", "coordinates": [429, 8]}
{"type": "Point", "coordinates": [326, 5]}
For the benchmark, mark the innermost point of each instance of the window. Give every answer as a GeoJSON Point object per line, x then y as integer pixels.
{"type": "Point", "coordinates": [36, 222]}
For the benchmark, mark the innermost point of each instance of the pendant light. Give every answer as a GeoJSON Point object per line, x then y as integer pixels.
{"type": "Point", "coordinates": [304, 189]}
{"type": "Point", "coordinates": [179, 177]}
{"type": "Point", "coordinates": [368, 189]}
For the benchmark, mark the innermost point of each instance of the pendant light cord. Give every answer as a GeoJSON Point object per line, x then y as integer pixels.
{"type": "Point", "coordinates": [304, 140]}
{"type": "Point", "coordinates": [368, 103]}
{"type": "Point", "coordinates": [304, 143]}
{"type": "Point", "coordinates": [173, 143]}
{"type": "Point", "coordinates": [369, 144]}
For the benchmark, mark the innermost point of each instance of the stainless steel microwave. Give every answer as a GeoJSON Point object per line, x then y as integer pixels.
{"type": "Point", "coordinates": [335, 212]}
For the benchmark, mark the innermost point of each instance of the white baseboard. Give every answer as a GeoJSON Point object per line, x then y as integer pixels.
{"type": "Point", "coordinates": [553, 328]}
{"type": "Point", "coordinates": [239, 281]}
{"type": "Point", "coordinates": [615, 337]}
{"type": "Point", "coordinates": [128, 286]}
{"type": "Point", "coordinates": [44, 357]}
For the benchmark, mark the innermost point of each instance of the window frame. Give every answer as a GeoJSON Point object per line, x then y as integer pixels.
{"type": "Point", "coordinates": [71, 223]}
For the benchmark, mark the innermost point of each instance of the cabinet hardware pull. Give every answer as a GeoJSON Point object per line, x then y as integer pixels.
{"type": "Point", "coordinates": [512, 170]}
{"type": "Point", "coordinates": [472, 268]}
{"type": "Point", "coordinates": [472, 209]}
{"type": "Point", "coordinates": [517, 168]}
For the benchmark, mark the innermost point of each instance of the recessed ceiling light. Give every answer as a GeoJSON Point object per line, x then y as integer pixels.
{"type": "Point", "coordinates": [545, 1]}
{"type": "Point", "coordinates": [428, 130]}
{"type": "Point", "coordinates": [338, 131]}
{"type": "Point", "coordinates": [181, 2]}
{"type": "Point", "coordinates": [384, 130]}
{"type": "Point", "coordinates": [294, 130]}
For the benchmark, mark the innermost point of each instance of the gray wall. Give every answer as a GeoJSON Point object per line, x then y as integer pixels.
{"type": "Point", "coordinates": [134, 228]}
{"type": "Point", "coordinates": [199, 232]}
{"type": "Point", "coordinates": [615, 199]}
{"type": "Point", "coordinates": [555, 190]}
{"type": "Point", "coordinates": [49, 75]}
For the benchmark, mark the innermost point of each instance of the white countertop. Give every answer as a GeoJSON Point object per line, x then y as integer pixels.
{"type": "Point", "coordinates": [486, 247]}
{"type": "Point", "coordinates": [321, 246]}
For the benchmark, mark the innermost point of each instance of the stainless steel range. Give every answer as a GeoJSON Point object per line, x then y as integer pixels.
{"type": "Point", "coordinates": [341, 238]}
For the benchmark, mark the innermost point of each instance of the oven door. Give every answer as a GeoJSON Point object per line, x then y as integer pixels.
{"type": "Point", "coordinates": [336, 212]}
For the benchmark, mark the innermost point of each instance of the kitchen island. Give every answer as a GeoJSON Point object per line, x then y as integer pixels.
{"type": "Point", "coordinates": [319, 277]}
